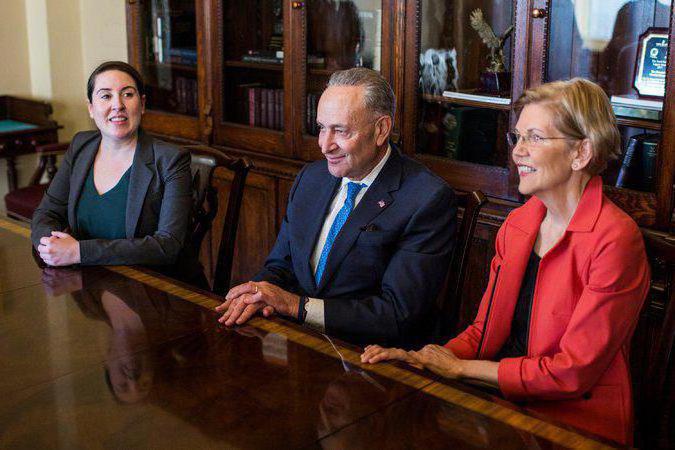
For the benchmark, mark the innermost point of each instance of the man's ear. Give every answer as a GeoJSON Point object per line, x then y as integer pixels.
{"type": "Point", "coordinates": [382, 130]}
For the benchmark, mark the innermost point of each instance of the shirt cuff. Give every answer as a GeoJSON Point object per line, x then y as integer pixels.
{"type": "Point", "coordinates": [315, 317]}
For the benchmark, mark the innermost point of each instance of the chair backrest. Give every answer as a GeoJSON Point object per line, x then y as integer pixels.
{"type": "Point", "coordinates": [205, 207]}
{"type": "Point", "coordinates": [451, 297]}
{"type": "Point", "coordinates": [656, 418]}
{"type": "Point", "coordinates": [47, 161]}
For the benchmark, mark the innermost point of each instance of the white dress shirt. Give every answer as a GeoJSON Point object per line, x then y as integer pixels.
{"type": "Point", "coordinates": [315, 312]}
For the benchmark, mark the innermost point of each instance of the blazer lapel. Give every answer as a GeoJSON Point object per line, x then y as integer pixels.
{"type": "Point", "coordinates": [314, 223]}
{"type": "Point", "coordinates": [78, 176]}
{"type": "Point", "coordinates": [376, 199]}
{"type": "Point", "coordinates": [139, 179]}
{"type": "Point", "coordinates": [522, 236]}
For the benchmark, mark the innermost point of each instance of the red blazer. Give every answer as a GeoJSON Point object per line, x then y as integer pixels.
{"type": "Point", "coordinates": [589, 291]}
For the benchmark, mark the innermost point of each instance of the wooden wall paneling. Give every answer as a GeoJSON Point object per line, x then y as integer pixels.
{"type": "Point", "coordinates": [257, 230]}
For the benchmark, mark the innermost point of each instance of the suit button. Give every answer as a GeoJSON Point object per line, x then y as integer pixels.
{"type": "Point", "coordinates": [587, 396]}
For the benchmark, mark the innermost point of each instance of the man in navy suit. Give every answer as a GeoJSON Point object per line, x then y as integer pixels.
{"type": "Point", "coordinates": [368, 233]}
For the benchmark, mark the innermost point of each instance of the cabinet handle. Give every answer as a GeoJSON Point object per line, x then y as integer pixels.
{"type": "Point", "coordinates": [538, 13]}
{"type": "Point", "coordinates": [297, 5]}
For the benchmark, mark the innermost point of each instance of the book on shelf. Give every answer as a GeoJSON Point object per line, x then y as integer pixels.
{"type": "Point", "coordinates": [477, 97]}
{"type": "Point", "coordinates": [636, 113]}
{"type": "Point", "coordinates": [316, 60]}
{"type": "Point", "coordinates": [187, 56]}
{"type": "Point", "coordinates": [264, 56]}
{"type": "Point", "coordinates": [638, 167]}
{"type": "Point", "coordinates": [264, 106]}
{"type": "Point", "coordinates": [633, 101]}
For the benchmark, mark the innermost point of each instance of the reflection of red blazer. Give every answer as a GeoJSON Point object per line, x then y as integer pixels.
{"type": "Point", "coordinates": [588, 294]}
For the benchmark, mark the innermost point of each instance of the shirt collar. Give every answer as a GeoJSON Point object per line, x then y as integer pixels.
{"type": "Point", "coordinates": [368, 179]}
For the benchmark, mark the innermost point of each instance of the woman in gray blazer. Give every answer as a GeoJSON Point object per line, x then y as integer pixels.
{"type": "Point", "coordinates": [119, 196]}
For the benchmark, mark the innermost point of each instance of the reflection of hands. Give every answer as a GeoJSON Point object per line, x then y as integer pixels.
{"type": "Point", "coordinates": [243, 301]}
{"type": "Point", "coordinates": [61, 281]}
{"type": "Point", "coordinates": [439, 360]}
{"type": "Point", "coordinates": [59, 249]}
{"type": "Point", "coordinates": [249, 331]}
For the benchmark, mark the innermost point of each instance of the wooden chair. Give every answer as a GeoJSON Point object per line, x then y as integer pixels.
{"type": "Point", "coordinates": [21, 203]}
{"type": "Point", "coordinates": [450, 300]}
{"type": "Point", "coordinates": [656, 402]}
{"type": "Point", "coordinates": [205, 207]}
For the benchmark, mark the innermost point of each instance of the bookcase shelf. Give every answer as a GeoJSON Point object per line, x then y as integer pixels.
{"type": "Point", "coordinates": [252, 65]}
{"type": "Point", "coordinates": [464, 102]}
{"type": "Point", "coordinates": [173, 66]}
{"type": "Point", "coordinates": [639, 123]}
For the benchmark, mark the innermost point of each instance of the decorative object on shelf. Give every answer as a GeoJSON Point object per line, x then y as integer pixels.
{"type": "Point", "coordinates": [652, 59]}
{"type": "Point", "coordinates": [438, 71]}
{"type": "Point", "coordinates": [638, 167]}
{"type": "Point", "coordinates": [370, 47]}
{"type": "Point", "coordinates": [495, 79]}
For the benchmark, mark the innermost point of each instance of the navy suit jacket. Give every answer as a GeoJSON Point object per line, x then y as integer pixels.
{"type": "Point", "coordinates": [388, 262]}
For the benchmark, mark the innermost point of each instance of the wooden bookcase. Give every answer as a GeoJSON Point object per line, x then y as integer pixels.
{"type": "Point", "coordinates": [229, 35]}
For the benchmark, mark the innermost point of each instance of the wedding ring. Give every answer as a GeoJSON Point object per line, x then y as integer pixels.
{"type": "Point", "coordinates": [256, 289]}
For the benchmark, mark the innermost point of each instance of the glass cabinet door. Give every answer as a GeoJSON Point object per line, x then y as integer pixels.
{"type": "Point", "coordinates": [169, 56]}
{"type": "Point", "coordinates": [461, 70]}
{"type": "Point", "coordinates": [341, 34]}
{"type": "Point", "coordinates": [249, 81]}
{"type": "Point", "coordinates": [602, 41]}
{"type": "Point", "coordinates": [253, 63]}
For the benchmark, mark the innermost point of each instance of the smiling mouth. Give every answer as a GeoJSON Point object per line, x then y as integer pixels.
{"type": "Point", "coordinates": [335, 159]}
{"type": "Point", "coordinates": [118, 119]}
{"type": "Point", "coordinates": [524, 170]}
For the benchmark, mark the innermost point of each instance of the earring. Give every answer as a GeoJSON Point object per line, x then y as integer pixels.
{"type": "Point", "coordinates": [575, 166]}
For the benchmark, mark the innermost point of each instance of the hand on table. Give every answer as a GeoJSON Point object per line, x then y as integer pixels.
{"type": "Point", "coordinates": [59, 249]}
{"type": "Point", "coordinates": [374, 354]}
{"type": "Point", "coordinates": [245, 300]}
{"type": "Point", "coordinates": [440, 360]}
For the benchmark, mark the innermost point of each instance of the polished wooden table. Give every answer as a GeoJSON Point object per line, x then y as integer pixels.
{"type": "Point", "coordinates": [119, 358]}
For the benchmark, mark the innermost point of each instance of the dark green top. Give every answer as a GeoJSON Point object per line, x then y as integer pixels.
{"type": "Point", "coordinates": [103, 216]}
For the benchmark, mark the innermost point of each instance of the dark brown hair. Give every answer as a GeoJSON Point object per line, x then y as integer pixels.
{"type": "Point", "coordinates": [115, 65]}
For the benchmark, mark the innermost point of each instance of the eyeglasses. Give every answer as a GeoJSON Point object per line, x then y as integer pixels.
{"type": "Point", "coordinates": [513, 137]}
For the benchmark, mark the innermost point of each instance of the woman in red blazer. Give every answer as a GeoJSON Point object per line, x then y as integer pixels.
{"type": "Point", "coordinates": [568, 278]}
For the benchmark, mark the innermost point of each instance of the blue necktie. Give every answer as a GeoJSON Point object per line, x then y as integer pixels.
{"type": "Point", "coordinates": [353, 190]}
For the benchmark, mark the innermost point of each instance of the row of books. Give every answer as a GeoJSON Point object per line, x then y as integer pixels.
{"type": "Point", "coordinates": [187, 100]}
{"type": "Point", "coordinates": [638, 167]}
{"type": "Point", "coordinates": [277, 57]}
{"type": "Point", "coordinates": [634, 107]}
{"type": "Point", "coordinates": [263, 107]}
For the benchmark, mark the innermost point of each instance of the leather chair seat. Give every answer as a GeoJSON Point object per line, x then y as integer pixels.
{"type": "Point", "coordinates": [21, 203]}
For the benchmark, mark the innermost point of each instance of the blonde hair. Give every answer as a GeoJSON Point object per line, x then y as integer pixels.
{"type": "Point", "coordinates": [581, 110]}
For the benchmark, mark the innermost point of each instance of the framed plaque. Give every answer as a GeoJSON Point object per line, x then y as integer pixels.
{"type": "Point", "coordinates": [650, 67]}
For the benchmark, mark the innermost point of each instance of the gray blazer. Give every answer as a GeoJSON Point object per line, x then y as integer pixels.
{"type": "Point", "coordinates": [158, 203]}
